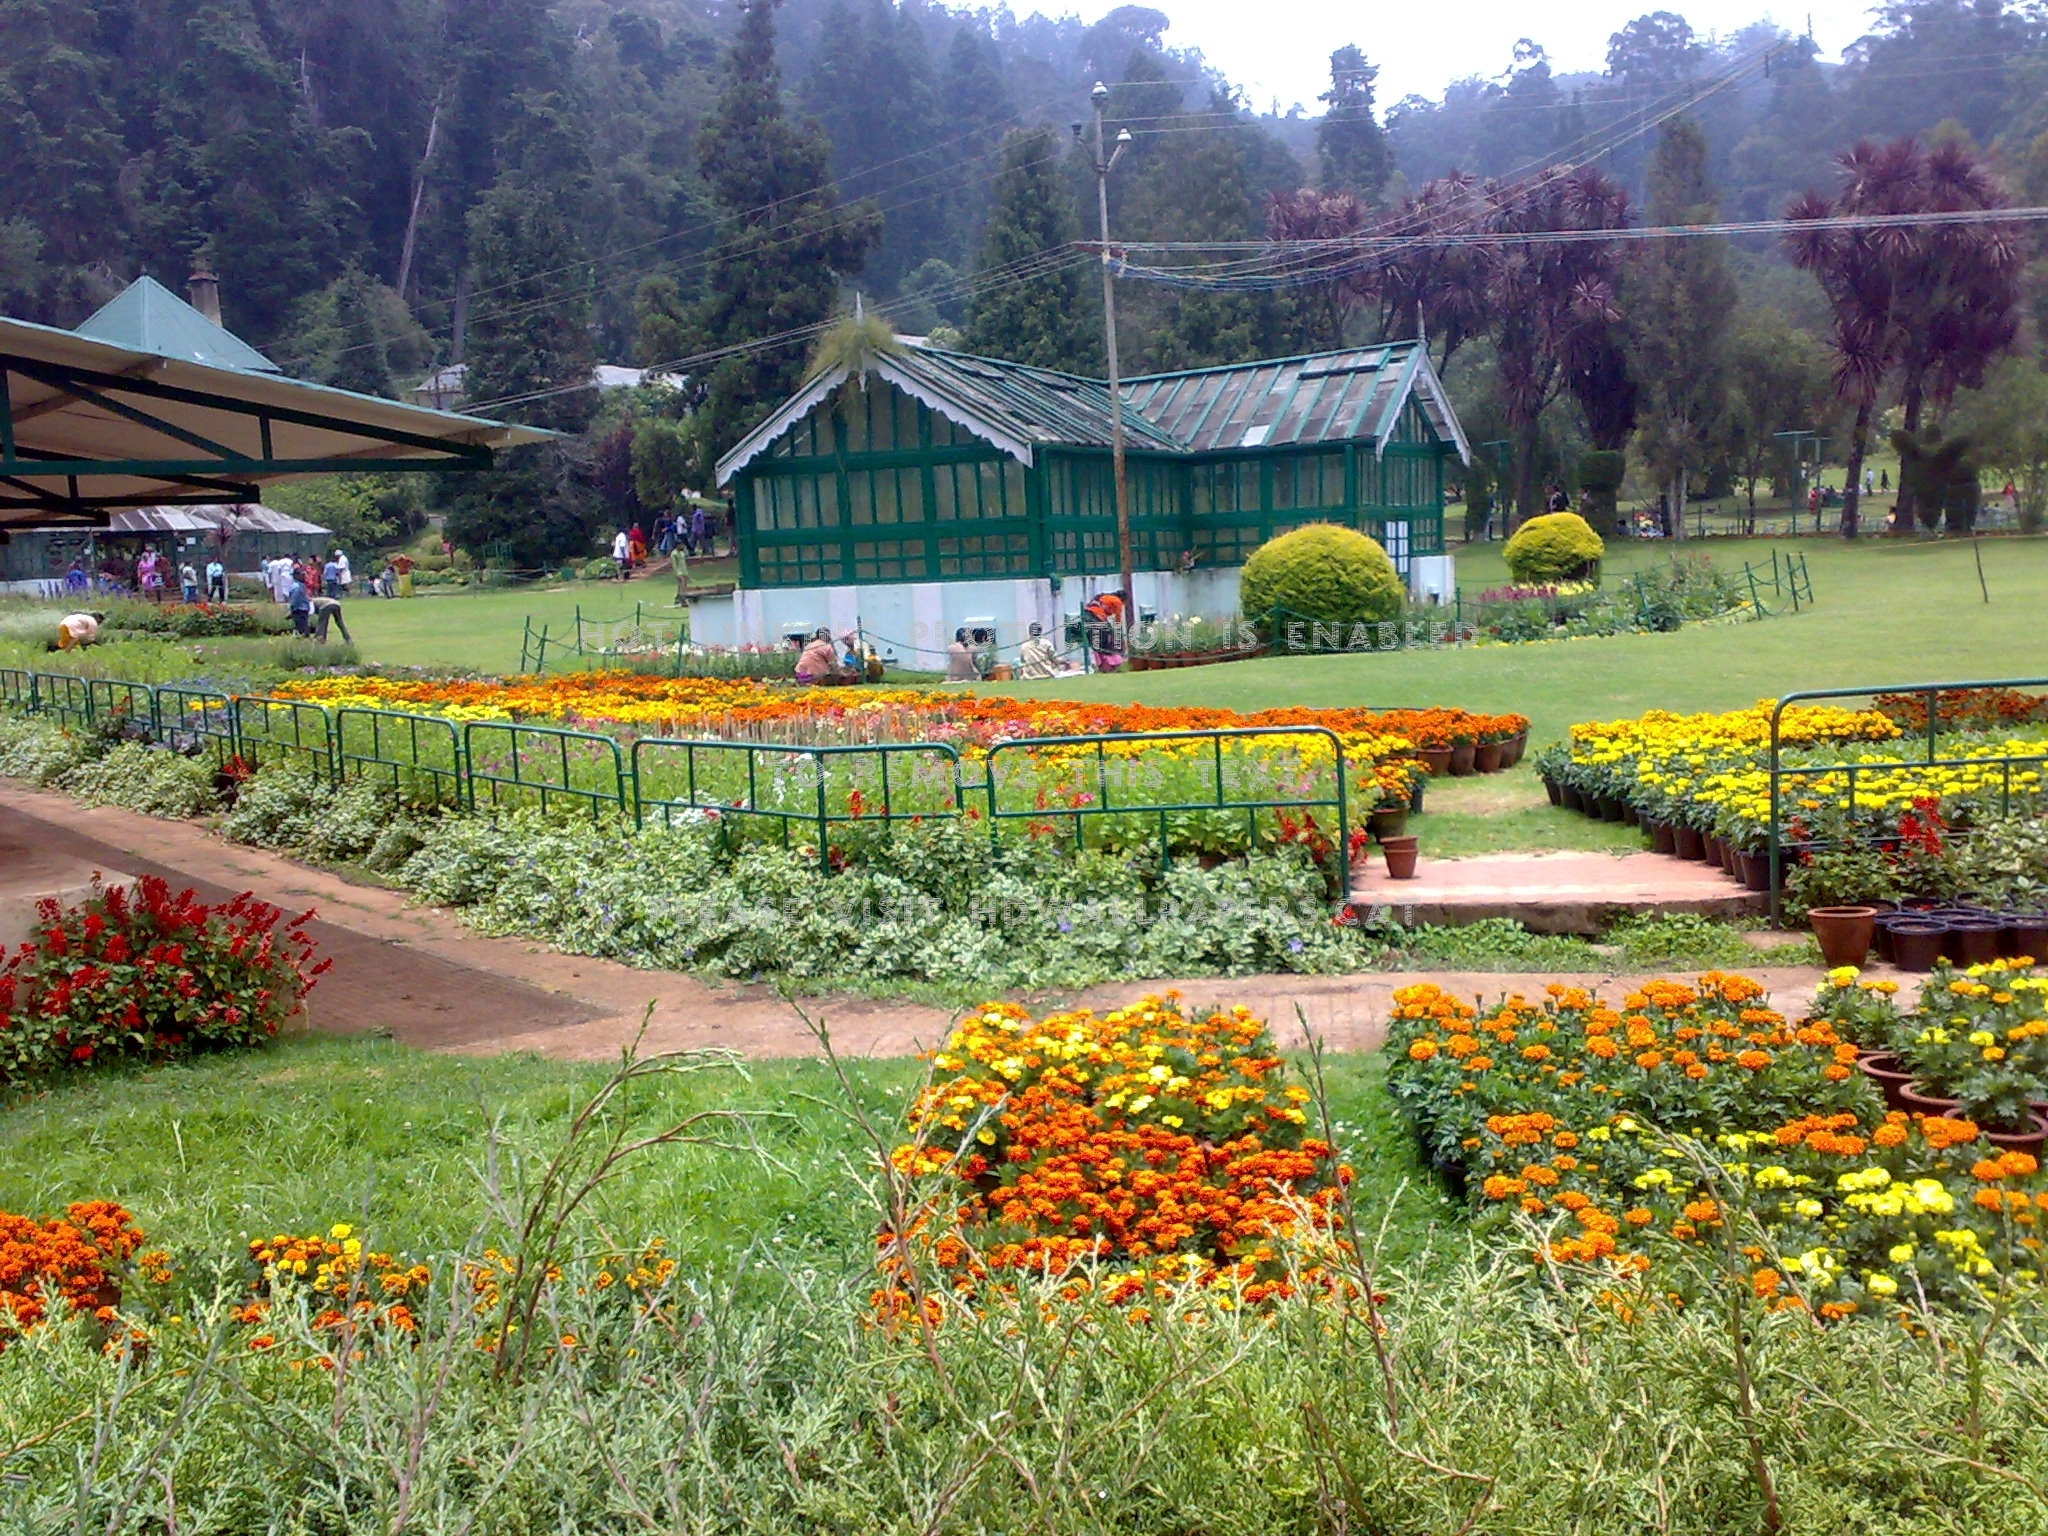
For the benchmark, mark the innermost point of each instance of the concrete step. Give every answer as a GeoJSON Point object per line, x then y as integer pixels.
{"type": "Point", "coordinates": [1564, 892]}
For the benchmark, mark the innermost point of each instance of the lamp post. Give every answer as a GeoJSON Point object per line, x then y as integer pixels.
{"type": "Point", "coordinates": [1104, 161]}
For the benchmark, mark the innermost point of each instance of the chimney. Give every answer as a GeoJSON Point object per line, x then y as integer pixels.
{"type": "Point", "coordinates": [203, 287]}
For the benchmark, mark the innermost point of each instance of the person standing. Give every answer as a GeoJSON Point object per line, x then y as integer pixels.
{"type": "Point", "coordinates": [330, 577]}
{"type": "Point", "coordinates": [348, 577]}
{"type": "Point", "coordinates": [188, 582]}
{"type": "Point", "coordinates": [664, 535]}
{"type": "Point", "coordinates": [1869, 482]}
{"type": "Point", "coordinates": [622, 553]}
{"type": "Point", "coordinates": [216, 581]}
{"type": "Point", "coordinates": [700, 543]}
{"type": "Point", "coordinates": [300, 602]}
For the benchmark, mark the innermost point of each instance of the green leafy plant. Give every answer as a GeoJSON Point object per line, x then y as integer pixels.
{"type": "Point", "coordinates": [1559, 546]}
{"type": "Point", "coordinates": [1322, 573]}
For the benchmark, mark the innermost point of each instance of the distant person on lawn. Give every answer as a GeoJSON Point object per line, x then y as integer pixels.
{"type": "Point", "coordinates": [1038, 659]}
{"type": "Point", "coordinates": [75, 631]}
{"type": "Point", "coordinates": [327, 610]}
{"type": "Point", "coordinates": [820, 659]}
{"type": "Point", "coordinates": [622, 553]}
{"type": "Point", "coordinates": [216, 581]}
{"type": "Point", "coordinates": [300, 602]}
{"type": "Point", "coordinates": [960, 666]}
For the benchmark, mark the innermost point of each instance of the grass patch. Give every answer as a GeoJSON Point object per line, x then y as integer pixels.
{"type": "Point", "coordinates": [1509, 812]}
{"type": "Point", "coordinates": [314, 1130]}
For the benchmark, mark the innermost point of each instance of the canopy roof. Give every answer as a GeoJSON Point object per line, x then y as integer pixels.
{"type": "Point", "coordinates": [1325, 397]}
{"type": "Point", "coordinates": [150, 403]}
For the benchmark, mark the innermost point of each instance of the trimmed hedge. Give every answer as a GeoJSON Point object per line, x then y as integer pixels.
{"type": "Point", "coordinates": [1321, 572]}
{"type": "Point", "coordinates": [1557, 547]}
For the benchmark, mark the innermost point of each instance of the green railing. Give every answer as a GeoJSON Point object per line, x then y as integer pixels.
{"type": "Point", "coordinates": [827, 793]}
{"type": "Point", "coordinates": [198, 717]}
{"type": "Point", "coordinates": [110, 699]}
{"type": "Point", "coordinates": [271, 730]}
{"type": "Point", "coordinates": [544, 765]}
{"type": "Point", "coordinates": [1779, 771]}
{"type": "Point", "coordinates": [793, 787]}
{"type": "Point", "coordinates": [1190, 822]}
{"type": "Point", "coordinates": [386, 744]}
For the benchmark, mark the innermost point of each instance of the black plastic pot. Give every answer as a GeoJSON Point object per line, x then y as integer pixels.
{"type": "Point", "coordinates": [1917, 942]}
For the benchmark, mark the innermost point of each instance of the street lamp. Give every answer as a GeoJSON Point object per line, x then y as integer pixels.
{"type": "Point", "coordinates": [1104, 161]}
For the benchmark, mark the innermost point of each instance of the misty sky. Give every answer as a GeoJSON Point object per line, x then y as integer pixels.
{"type": "Point", "coordinates": [1281, 48]}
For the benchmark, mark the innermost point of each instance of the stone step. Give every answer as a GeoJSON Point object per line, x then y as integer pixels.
{"type": "Point", "coordinates": [1562, 892]}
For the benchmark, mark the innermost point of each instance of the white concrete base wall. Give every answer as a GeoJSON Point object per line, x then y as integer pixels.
{"type": "Point", "coordinates": [915, 621]}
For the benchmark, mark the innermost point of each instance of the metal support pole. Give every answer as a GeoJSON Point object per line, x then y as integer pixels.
{"type": "Point", "coordinates": [1106, 158]}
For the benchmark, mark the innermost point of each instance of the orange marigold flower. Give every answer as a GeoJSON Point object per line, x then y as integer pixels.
{"type": "Point", "coordinates": [1753, 1061]}
{"type": "Point", "coordinates": [1639, 1216]}
{"type": "Point", "coordinates": [1422, 1050]}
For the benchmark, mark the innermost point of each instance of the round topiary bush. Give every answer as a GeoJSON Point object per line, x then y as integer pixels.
{"type": "Point", "coordinates": [1557, 547]}
{"type": "Point", "coordinates": [1323, 573]}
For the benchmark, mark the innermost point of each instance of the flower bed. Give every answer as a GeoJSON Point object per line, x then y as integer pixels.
{"type": "Point", "coordinates": [151, 975]}
{"type": "Point", "coordinates": [1622, 1138]}
{"type": "Point", "coordinates": [1852, 784]}
{"type": "Point", "coordinates": [1150, 1144]}
{"type": "Point", "coordinates": [77, 1261]}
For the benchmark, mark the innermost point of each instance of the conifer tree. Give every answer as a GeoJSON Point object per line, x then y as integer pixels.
{"type": "Point", "coordinates": [1350, 148]}
{"type": "Point", "coordinates": [1045, 321]}
{"type": "Point", "coordinates": [1679, 297]}
{"type": "Point", "coordinates": [785, 242]}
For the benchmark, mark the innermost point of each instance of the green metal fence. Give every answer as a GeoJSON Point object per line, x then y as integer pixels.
{"type": "Point", "coordinates": [1929, 756]}
{"type": "Point", "coordinates": [827, 795]}
{"type": "Point", "coordinates": [792, 788]}
{"type": "Point", "coordinates": [512, 765]}
{"type": "Point", "coordinates": [420, 756]}
{"type": "Point", "coordinates": [1186, 822]}
{"type": "Point", "coordinates": [198, 718]}
{"type": "Point", "coordinates": [284, 730]}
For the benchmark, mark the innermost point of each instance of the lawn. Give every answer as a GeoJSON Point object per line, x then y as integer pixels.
{"type": "Point", "coordinates": [1886, 612]}
{"type": "Point", "coordinates": [315, 1130]}
{"type": "Point", "coordinates": [482, 629]}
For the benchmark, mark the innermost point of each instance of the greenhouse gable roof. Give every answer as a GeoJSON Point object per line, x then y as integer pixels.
{"type": "Point", "coordinates": [1329, 398]}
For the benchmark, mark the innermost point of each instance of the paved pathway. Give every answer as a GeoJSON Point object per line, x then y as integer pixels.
{"type": "Point", "coordinates": [1557, 892]}
{"type": "Point", "coordinates": [421, 975]}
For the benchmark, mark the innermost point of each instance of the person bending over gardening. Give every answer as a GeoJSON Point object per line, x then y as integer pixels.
{"type": "Point", "coordinates": [819, 661]}
{"type": "Point", "coordinates": [327, 610]}
{"type": "Point", "coordinates": [75, 631]}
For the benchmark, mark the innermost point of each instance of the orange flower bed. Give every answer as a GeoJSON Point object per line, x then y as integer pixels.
{"type": "Point", "coordinates": [742, 707]}
{"type": "Point", "coordinates": [1166, 1145]}
{"type": "Point", "coordinates": [77, 1260]}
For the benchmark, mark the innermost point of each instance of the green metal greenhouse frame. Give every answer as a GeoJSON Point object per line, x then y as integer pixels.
{"type": "Point", "coordinates": [924, 465]}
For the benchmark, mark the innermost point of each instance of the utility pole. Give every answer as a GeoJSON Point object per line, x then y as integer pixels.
{"type": "Point", "coordinates": [1105, 159]}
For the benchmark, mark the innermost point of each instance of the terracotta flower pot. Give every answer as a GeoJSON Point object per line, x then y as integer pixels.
{"type": "Point", "coordinates": [2026, 933]}
{"type": "Point", "coordinates": [1688, 843]}
{"type": "Point", "coordinates": [1516, 745]}
{"type": "Point", "coordinates": [1756, 871]}
{"type": "Point", "coordinates": [1487, 755]}
{"type": "Point", "coordinates": [1916, 942]}
{"type": "Point", "coordinates": [1920, 1102]}
{"type": "Point", "coordinates": [1436, 759]}
{"type": "Point", "coordinates": [1972, 940]}
{"type": "Point", "coordinates": [1844, 933]}
{"type": "Point", "coordinates": [1463, 756]}
{"type": "Point", "coordinates": [1884, 1069]}
{"type": "Point", "coordinates": [1386, 823]}
{"type": "Point", "coordinates": [1400, 854]}
{"type": "Point", "coordinates": [1662, 838]}
{"type": "Point", "coordinates": [2030, 1141]}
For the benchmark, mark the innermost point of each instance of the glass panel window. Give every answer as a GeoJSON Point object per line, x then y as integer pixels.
{"type": "Point", "coordinates": [858, 490]}
{"type": "Point", "coordinates": [1013, 488]}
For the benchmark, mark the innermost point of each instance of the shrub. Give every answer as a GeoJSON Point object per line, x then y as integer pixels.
{"type": "Point", "coordinates": [1323, 573]}
{"type": "Point", "coordinates": [38, 751]}
{"type": "Point", "coordinates": [146, 779]}
{"type": "Point", "coordinates": [149, 975]}
{"type": "Point", "coordinates": [1559, 546]}
{"type": "Point", "coordinates": [290, 808]}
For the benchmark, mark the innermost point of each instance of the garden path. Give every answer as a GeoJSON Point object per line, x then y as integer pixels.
{"type": "Point", "coordinates": [421, 976]}
{"type": "Point", "coordinates": [1560, 891]}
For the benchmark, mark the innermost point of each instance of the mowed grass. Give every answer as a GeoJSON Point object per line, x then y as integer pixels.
{"type": "Point", "coordinates": [1885, 612]}
{"type": "Point", "coordinates": [482, 629]}
{"type": "Point", "coordinates": [402, 1143]}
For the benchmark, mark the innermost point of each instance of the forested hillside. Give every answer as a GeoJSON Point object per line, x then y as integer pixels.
{"type": "Point", "coordinates": [389, 185]}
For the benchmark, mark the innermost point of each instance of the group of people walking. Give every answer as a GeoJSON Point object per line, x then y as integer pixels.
{"type": "Point", "coordinates": [691, 535]}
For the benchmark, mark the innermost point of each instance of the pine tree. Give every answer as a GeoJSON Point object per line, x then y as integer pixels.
{"type": "Point", "coordinates": [1350, 147]}
{"type": "Point", "coordinates": [1047, 320]}
{"type": "Point", "coordinates": [975, 105]}
{"type": "Point", "coordinates": [1679, 298]}
{"type": "Point", "coordinates": [785, 243]}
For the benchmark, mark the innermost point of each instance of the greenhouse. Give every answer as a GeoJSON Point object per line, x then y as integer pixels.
{"type": "Point", "coordinates": [923, 490]}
